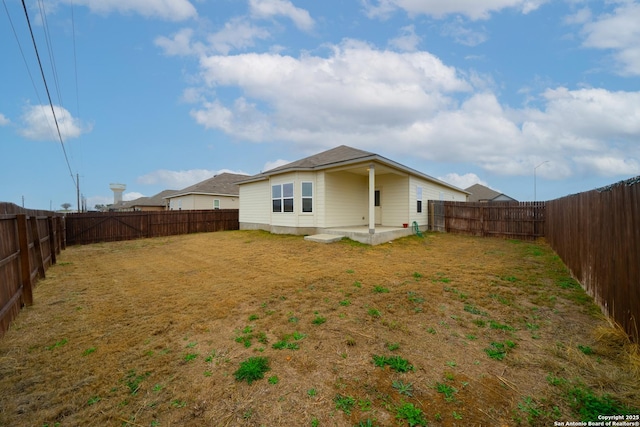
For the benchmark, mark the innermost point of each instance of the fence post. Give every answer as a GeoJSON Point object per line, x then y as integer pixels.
{"type": "Point", "coordinates": [25, 269]}
{"type": "Point", "coordinates": [52, 239]}
{"type": "Point", "coordinates": [35, 234]}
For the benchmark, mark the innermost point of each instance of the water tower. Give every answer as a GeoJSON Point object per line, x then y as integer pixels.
{"type": "Point", "coordinates": [117, 189]}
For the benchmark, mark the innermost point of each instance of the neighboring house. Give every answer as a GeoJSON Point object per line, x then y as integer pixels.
{"type": "Point", "coordinates": [219, 192]}
{"type": "Point", "coordinates": [153, 203]}
{"type": "Point", "coordinates": [341, 187]}
{"type": "Point", "coordinates": [480, 193]}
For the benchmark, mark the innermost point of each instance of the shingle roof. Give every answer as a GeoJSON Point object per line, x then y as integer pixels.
{"type": "Point", "coordinates": [155, 200]}
{"type": "Point", "coordinates": [339, 154]}
{"type": "Point", "coordinates": [223, 184]}
{"type": "Point", "coordinates": [480, 192]}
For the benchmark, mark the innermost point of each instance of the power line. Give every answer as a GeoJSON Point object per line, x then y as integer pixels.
{"type": "Point", "coordinates": [55, 119]}
{"type": "Point", "coordinates": [15, 34]}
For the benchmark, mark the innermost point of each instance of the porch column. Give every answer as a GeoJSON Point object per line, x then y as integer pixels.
{"type": "Point", "coordinates": [372, 195]}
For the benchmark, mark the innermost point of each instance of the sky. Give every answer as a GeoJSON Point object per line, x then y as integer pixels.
{"type": "Point", "coordinates": [537, 99]}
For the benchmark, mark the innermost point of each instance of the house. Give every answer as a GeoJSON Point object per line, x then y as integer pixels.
{"type": "Point", "coordinates": [480, 193]}
{"type": "Point", "coordinates": [338, 188]}
{"type": "Point", "coordinates": [154, 203]}
{"type": "Point", "coordinates": [218, 192]}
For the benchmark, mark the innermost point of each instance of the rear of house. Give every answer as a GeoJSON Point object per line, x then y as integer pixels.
{"type": "Point", "coordinates": [342, 187]}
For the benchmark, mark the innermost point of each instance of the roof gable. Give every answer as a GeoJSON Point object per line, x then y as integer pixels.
{"type": "Point", "coordinates": [480, 192]}
{"type": "Point", "coordinates": [339, 154]}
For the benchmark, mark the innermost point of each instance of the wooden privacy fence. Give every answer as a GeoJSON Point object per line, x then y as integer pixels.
{"type": "Point", "coordinates": [29, 243]}
{"type": "Point", "coordinates": [97, 227]}
{"type": "Point", "coordinates": [597, 235]}
{"type": "Point", "coordinates": [516, 220]}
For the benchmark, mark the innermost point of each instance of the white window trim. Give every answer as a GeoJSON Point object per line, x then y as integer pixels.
{"type": "Point", "coordinates": [282, 198]}
{"type": "Point", "coordinates": [303, 197]}
{"type": "Point", "coordinates": [419, 192]}
{"type": "Point", "coordinates": [214, 204]}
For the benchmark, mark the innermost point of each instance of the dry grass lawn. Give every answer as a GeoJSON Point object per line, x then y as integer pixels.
{"type": "Point", "coordinates": [153, 332]}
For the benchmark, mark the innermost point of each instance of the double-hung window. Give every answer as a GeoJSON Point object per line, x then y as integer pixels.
{"type": "Point", "coordinates": [216, 203]}
{"type": "Point", "coordinates": [307, 197]}
{"type": "Point", "coordinates": [419, 199]}
{"type": "Point", "coordinates": [282, 197]}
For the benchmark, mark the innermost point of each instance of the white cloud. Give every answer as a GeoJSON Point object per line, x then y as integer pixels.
{"type": "Point", "coordinates": [3, 120]}
{"type": "Point", "coordinates": [132, 195]}
{"type": "Point", "coordinates": [354, 90]}
{"type": "Point", "coordinates": [610, 165]}
{"type": "Point", "coordinates": [38, 124]}
{"type": "Point", "coordinates": [180, 44]}
{"type": "Point", "coordinates": [460, 33]}
{"type": "Point", "coordinates": [171, 10]}
{"type": "Point", "coordinates": [618, 31]}
{"type": "Point", "coordinates": [407, 41]}
{"type": "Point", "coordinates": [177, 180]}
{"type": "Point", "coordinates": [271, 8]}
{"type": "Point", "coordinates": [463, 181]}
{"type": "Point", "coordinates": [473, 9]}
{"type": "Point", "coordinates": [237, 33]}
{"type": "Point", "coordinates": [369, 98]}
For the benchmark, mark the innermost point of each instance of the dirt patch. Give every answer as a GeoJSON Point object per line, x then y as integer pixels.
{"type": "Point", "coordinates": [151, 333]}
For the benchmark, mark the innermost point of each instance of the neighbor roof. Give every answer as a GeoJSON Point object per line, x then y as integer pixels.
{"type": "Point", "coordinates": [223, 184]}
{"type": "Point", "coordinates": [340, 156]}
{"type": "Point", "coordinates": [155, 200]}
{"type": "Point", "coordinates": [479, 192]}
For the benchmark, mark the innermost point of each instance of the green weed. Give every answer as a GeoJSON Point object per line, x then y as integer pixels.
{"type": "Point", "coordinates": [497, 325]}
{"type": "Point", "coordinates": [57, 344]}
{"type": "Point", "coordinates": [89, 351]}
{"type": "Point", "coordinates": [344, 403]}
{"type": "Point", "coordinates": [190, 356]}
{"type": "Point", "coordinates": [252, 369]}
{"type": "Point", "coordinates": [93, 400]}
{"type": "Point", "coordinates": [374, 312]}
{"type": "Point", "coordinates": [411, 414]}
{"type": "Point", "coordinates": [380, 289]}
{"type": "Point", "coordinates": [133, 381]}
{"type": "Point", "coordinates": [273, 379]}
{"type": "Point", "coordinates": [499, 350]}
{"type": "Point", "coordinates": [318, 320]}
{"type": "Point", "coordinates": [396, 363]}
{"type": "Point", "coordinates": [585, 349]}
{"type": "Point", "coordinates": [403, 388]}
{"type": "Point", "coordinates": [393, 346]}
{"type": "Point", "coordinates": [446, 389]}
{"type": "Point", "coordinates": [474, 310]}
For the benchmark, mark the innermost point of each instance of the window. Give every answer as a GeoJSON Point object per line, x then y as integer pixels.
{"type": "Point", "coordinates": [307, 197]}
{"type": "Point", "coordinates": [282, 197]}
{"type": "Point", "coordinates": [216, 203]}
{"type": "Point", "coordinates": [419, 199]}
{"type": "Point", "coordinates": [376, 198]}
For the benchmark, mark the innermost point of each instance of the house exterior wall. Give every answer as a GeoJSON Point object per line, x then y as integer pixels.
{"type": "Point", "coordinates": [346, 198]}
{"type": "Point", "coordinates": [255, 203]}
{"type": "Point", "coordinates": [430, 191]}
{"type": "Point", "coordinates": [394, 193]}
{"type": "Point", "coordinates": [202, 202]}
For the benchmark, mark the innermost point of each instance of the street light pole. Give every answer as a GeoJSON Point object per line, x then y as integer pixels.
{"type": "Point", "coordinates": [534, 178]}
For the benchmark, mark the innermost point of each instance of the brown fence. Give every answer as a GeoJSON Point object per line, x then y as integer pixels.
{"type": "Point", "coordinates": [597, 235]}
{"type": "Point", "coordinates": [516, 220]}
{"type": "Point", "coordinates": [29, 243]}
{"type": "Point", "coordinates": [113, 226]}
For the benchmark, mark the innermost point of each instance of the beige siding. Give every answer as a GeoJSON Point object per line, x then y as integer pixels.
{"type": "Point", "coordinates": [346, 202]}
{"type": "Point", "coordinates": [430, 191]}
{"type": "Point", "coordinates": [201, 202]}
{"type": "Point", "coordinates": [255, 202]}
{"type": "Point", "coordinates": [394, 193]}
